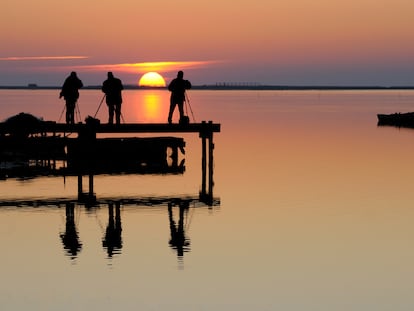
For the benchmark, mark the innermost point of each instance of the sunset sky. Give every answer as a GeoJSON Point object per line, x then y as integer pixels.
{"type": "Point", "coordinates": [296, 42]}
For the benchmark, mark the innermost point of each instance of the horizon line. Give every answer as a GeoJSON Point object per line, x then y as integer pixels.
{"type": "Point", "coordinates": [230, 87]}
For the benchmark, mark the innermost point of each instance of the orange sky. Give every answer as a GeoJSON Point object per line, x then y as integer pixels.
{"type": "Point", "coordinates": [269, 42]}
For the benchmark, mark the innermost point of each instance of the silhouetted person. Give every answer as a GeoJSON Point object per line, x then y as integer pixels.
{"type": "Point", "coordinates": [112, 87]}
{"type": "Point", "coordinates": [178, 240]}
{"type": "Point", "coordinates": [177, 88]}
{"type": "Point", "coordinates": [70, 237]}
{"type": "Point", "coordinates": [70, 92]}
{"type": "Point", "coordinates": [113, 239]}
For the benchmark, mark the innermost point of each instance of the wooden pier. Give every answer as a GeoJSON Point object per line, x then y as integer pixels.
{"type": "Point", "coordinates": [87, 136]}
{"type": "Point", "coordinates": [204, 128]}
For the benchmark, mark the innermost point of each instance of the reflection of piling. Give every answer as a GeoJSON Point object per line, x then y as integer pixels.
{"type": "Point", "coordinates": [112, 240]}
{"type": "Point", "coordinates": [207, 145]}
{"type": "Point", "coordinates": [178, 240]}
{"type": "Point", "coordinates": [70, 237]}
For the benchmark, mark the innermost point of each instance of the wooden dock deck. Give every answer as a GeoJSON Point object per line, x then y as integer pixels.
{"type": "Point", "coordinates": [204, 128]}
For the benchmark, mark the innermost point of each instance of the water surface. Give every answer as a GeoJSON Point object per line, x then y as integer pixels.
{"type": "Point", "coordinates": [315, 211]}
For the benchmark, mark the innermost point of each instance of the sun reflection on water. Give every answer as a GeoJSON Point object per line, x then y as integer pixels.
{"type": "Point", "coordinates": [148, 106]}
{"type": "Point", "coordinates": [152, 106]}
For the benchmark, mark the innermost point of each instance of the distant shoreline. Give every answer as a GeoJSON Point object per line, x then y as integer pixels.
{"type": "Point", "coordinates": [227, 87]}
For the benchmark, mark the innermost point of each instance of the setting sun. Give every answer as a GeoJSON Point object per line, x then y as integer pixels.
{"type": "Point", "coordinates": [152, 79]}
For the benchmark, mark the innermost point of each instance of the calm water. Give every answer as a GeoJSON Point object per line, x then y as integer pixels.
{"type": "Point", "coordinates": [315, 211]}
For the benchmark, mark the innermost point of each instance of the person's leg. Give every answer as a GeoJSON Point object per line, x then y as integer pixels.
{"type": "Point", "coordinates": [118, 113]}
{"type": "Point", "coordinates": [67, 113]}
{"type": "Point", "coordinates": [70, 112]}
{"type": "Point", "coordinates": [181, 109]}
{"type": "Point", "coordinates": [170, 113]}
{"type": "Point", "coordinates": [111, 114]}
{"type": "Point", "coordinates": [72, 115]}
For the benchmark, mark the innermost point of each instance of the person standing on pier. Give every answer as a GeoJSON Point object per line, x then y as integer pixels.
{"type": "Point", "coordinates": [112, 87]}
{"type": "Point", "coordinates": [70, 92]}
{"type": "Point", "coordinates": [177, 88]}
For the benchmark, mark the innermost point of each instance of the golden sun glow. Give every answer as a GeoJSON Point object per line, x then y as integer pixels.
{"type": "Point", "coordinates": [152, 106]}
{"type": "Point", "coordinates": [151, 79]}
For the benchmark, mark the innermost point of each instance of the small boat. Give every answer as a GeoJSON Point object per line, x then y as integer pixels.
{"type": "Point", "coordinates": [397, 119]}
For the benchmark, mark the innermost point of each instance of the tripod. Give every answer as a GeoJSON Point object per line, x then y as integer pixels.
{"type": "Point", "coordinates": [76, 111]}
{"type": "Point", "coordinates": [99, 107]}
{"type": "Point", "coordinates": [187, 103]}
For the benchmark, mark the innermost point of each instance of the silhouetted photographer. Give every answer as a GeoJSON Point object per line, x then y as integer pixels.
{"type": "Point", "coordinates": [177, 88]}
{"type": "Point", "coordinates": [112, 87]}
{"type": "Point", "coordinates": [70, 92]}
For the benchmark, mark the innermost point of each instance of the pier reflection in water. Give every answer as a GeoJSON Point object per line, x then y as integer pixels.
{"type": "Point", "coordinates": [88, 155]}
{"type": "Point", "coordinates": [70, 237]}
{"type": "Point", "coordinates": [112, 240]}
{"type": "Point", "coordinates": [178, 209]}
{"type": "Point", "coordinates": [178, 240]}
{"type": "Point", "coordinates": [179, 212]}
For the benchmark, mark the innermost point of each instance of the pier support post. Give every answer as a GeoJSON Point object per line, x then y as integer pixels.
{"type": "Point", "coordinates": [80, 186]}
{"type": "Point", "coordinates": [203, 164]}
{"type": "Point", "coordinates": [91, 185]}
{"type": "Point", "coordinates": [210, 162]}
{"type": "Point", "coordinates": [207, 145]}
{"type": "Point", "coordinates": [85, 161]}
{"type": "Point", "coordinates": [89, 196]}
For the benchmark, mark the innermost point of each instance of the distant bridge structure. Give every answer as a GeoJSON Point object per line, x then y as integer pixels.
{"type": "Point", "coordinates": [237, 84]}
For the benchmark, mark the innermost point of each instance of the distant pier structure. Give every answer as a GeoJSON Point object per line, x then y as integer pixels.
{"type": "Point", "coordinates": [237, 84]}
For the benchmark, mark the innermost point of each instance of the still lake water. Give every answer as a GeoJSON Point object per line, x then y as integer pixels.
{"type": "Point", "coordinates": [315, 212]}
